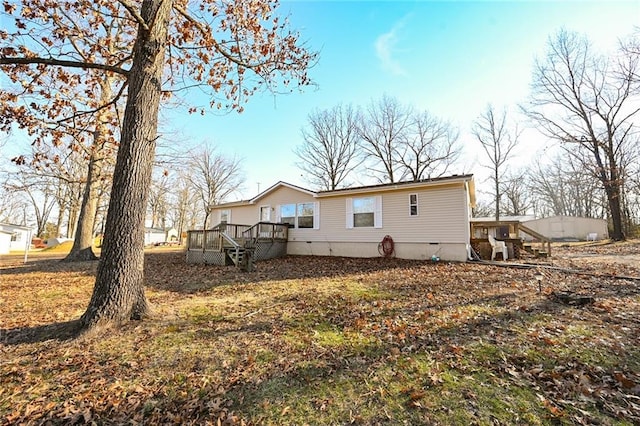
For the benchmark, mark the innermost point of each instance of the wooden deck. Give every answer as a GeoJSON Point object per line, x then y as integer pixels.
{"type": "Point", "coordinates": [509, 232]}
{"type": "Point", "coordinates": [229, 243]}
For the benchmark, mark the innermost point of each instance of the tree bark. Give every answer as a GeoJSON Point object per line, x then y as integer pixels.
{"type": "Point", "coordinates": [118, 295]}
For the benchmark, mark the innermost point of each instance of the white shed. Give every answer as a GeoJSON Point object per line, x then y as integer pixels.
{"type": "Point", "coordinates": [20, 236]}
{"type": "Point", "coordinates": [566, 228]}
{"type": "Point", "coordinates": [154, 236]}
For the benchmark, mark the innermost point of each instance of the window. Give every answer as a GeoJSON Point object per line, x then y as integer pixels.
{"type": "Point", "coordinates": [364, 212]}
{"type": "Point", "coordinates": [413, 204]}
{"type": "Point", "coordinates": [225, 216]}
{"type": "Point", "coordinates": [288, 214]}
{"type": "Point", "coordinates": [16, 236]}
{"type": "Point", "coordinates": [305, 215]}
{"type": "Point", "coordinates": [301, 215]}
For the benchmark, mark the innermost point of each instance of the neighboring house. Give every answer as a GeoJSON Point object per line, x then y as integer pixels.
{"type": "Point", "coordinates": [20, 236]}
{"type": "Point", "coordinates": [154, 236]}
{"type": "Point", "coordinates": [5, 241]}
{"type": "Point", "coordinates": [424, 219]}
{"type": "Point", "coordinates": [567, 228]}
{"type": "Point", "coordinates": [172, 236]}
{"type": "Point", "coordinates": [159, 236]}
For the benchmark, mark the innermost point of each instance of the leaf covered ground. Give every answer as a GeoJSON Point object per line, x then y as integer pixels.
{"type": "Point", "coordinates": [325, 340]}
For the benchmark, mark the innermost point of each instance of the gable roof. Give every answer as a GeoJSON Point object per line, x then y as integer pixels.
{"type": "Point", "coordinates": [263, 194]}
{"type": "Point", "coordinates": [468, 178]}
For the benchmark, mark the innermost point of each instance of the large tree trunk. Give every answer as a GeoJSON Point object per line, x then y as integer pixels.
{"type": "Point", "coordinates": [118, 295]}
{"type": "Point", "coordinates": [612, 189]}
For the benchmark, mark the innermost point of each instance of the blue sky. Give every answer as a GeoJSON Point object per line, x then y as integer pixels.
{"type": "Point", "coordinates": [450, 58]}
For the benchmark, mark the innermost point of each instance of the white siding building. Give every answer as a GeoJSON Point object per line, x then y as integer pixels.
{"type": "Point", "coordinates": [20, 239]}
{"type": "Point", "coordinates": [570, 228]}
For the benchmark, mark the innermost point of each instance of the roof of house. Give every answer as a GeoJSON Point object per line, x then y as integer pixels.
{"type": "Point", "coordinates": [523, 218]}
{"type": "Point", "coordinates": [360, 189]}
{"type": "Point", "coordinates": [11, 225]}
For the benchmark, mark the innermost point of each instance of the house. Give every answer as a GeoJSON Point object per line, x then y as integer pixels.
{"type": "Point", "coordinates": [20, 236]}
{"type": "Point", "coordinates": [417, 220]}
{"type": "Point", "coordinates": [156, 236]}
{"type": "Point", "coordinates": [570, 228]}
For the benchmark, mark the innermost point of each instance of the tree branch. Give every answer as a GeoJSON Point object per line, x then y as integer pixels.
{"type": "Point", "coordinates": [134, 13]}
{"type": "Point", "coordinates": [61, 63]}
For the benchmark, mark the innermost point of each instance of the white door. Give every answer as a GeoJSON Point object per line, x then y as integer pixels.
{"type": "Point", "coordinates": [265, 214]}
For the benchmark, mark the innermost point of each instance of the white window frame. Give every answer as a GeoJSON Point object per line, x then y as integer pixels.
{"type": "Point", "coordinates": [279, 214]}
{"type": "Point", "coordinates": [316, 213]}
{"type": "Point", "coordinates": [377, 212]}
{"type": "Point", "coordinates": [412, 205]}
{"type": "Point", "coordinates": [228, 211]}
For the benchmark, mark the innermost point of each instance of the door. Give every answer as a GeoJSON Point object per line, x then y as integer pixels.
{"type": "Point", "coordinates": [265, 214]}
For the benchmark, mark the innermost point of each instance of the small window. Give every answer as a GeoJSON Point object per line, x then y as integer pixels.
{"type": "Point", "coordinates": [15, 236]}
{"type": "Point", "coordinates": [288, 214]}
{"type": "Point", "coordinates": [413, 204]}
{"type": "Point", "coordinates": [225, 216]}
{"type": "Point", "coordinates": [305, 215]}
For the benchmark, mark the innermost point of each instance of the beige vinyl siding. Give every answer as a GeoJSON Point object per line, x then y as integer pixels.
{"type": "Point", "coordinates": [443, 217]}
{"type": "Point", "coordinates": [250, 214]}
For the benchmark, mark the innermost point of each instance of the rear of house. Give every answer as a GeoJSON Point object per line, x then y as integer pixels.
{"type": "Point", "coordinates": [419, 219]}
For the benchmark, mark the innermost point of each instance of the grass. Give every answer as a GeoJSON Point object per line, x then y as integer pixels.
{"type": "Point", "coordinates": [330, 341]}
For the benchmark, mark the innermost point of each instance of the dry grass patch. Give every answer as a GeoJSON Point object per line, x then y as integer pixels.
{"type": "Point", "coordinates": [323, 341]}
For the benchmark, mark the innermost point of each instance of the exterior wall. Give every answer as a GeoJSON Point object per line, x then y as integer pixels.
{"type": "Point", "coordinates": [5, 242]}
{"type": "Point", "coordinates": [569, 227]}
{"type": "Point", "coordinates": [419, 251]}
{"type": "Point", "coordinates": [250, 214]}
{"type": "Point", "coordinates": [441, 226]}
{"type": "Point", "coordinates": [20, 242]}
{"type": "Point", "coordinates": [152, 237]}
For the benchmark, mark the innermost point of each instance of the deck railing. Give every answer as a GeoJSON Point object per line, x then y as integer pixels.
{"type": "Point", "coordinates": [267, 230]}
{"type": "Point", "coordinates": [214, 239]}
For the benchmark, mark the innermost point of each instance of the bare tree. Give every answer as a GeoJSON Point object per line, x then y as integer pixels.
{"type": "Point", "coordinates": [588, 103]}
{"type": "Point", "coordinates": [514, 188]}
{"type": "Point", "coordinates": [158, 205]}
{"type": "Point", "coordinates": [498, 142]}
{"type": "Point", "coordinates": [562, 186]}
{"type": "Point", "coordinates": [329, 151]}
{"type": "Point", "coordinates": [428, 146]}
{"type": "Point", "coordinates": [382, 129]}
{"type": "Point", "coordinates": [213, 177]}
{"type": "Point", "coordinates": [184, 209]}
{"type": "Point", "coordinates": [39, 191]}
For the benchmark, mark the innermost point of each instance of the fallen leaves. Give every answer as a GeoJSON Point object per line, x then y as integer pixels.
{"type": "Point", "coordinates": [308, 340]}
